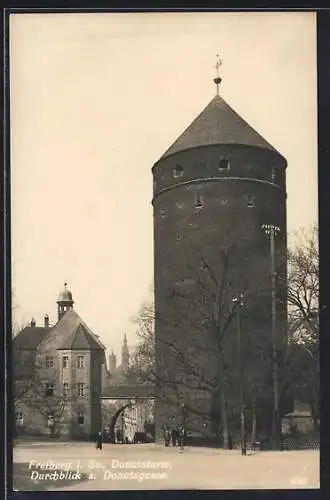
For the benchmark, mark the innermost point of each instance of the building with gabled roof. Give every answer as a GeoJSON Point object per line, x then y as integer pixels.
{"type": "Point", "coordinates": [58, 372]}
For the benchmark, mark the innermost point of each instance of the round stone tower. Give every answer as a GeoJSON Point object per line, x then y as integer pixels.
{"type": "Point", "coordinates": [214, 191]}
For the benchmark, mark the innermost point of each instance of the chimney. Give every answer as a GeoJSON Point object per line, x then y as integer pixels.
{"type": "Point", "coordinates": [46, 321]}
{"type": "Point", "coordinates": [33, 322]}
{"type": "Point", "coordinates": [112, 363]}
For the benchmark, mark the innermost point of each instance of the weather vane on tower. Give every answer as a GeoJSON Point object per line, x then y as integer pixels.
{"type": "Point", "coordinates": [217, 80]}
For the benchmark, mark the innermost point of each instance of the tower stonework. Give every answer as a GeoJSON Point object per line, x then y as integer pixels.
{"type": "Point", "coordinates": [213, 190]}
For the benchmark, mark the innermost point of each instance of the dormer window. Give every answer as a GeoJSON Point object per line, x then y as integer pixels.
{"type": "Point", "coordinates": [250, 201]}
{"type": "Point", "coordinates": [224, 164]}
{"type": "Point", "coordinates": [178, 171]}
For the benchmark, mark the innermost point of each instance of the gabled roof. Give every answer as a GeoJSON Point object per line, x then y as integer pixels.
{"type": "Point", "coordinates": [81, 339]}
{"type": "Point", "coordinates": [30, 337]}
{"type": "Point", "coordinates": [66, 330]}
{"type": "Point", "coordinates": [218, 123]}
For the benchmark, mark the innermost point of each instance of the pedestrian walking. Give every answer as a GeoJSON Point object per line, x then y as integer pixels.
{"type": "Point", "coordinates": [174, 436]}
{"type": "Point", "coordinates": [99, 441]}
{"type": "Point", "coordinates": [181, 437]}
{"type": "Point", "coordinates": [167, 436]}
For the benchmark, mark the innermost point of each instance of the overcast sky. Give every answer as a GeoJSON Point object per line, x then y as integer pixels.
{"type": "Point", "coordinates": [96, 99]}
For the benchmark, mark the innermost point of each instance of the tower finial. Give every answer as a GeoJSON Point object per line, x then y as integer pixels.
{"type": "Point", "coordinates": [217, 80]}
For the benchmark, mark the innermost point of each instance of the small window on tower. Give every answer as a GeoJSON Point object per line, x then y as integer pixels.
{"type": "Point", "coordinates": [49, 389]}
{"type": "Point", "coordinates": [66, 390]}
{"type": "Point", "coordinates": [199, 201]}
{"type": "Point", "coordinates": [162, 213]}
{"type": "Point", "coordinates": [224, 164]}
{"type": "Point", "coordinates": [250, 201]}
{"type": "Point", "coordinates": [50, 419]}
{"type": "Point", "coordinates": [273, 176]}
{"type": "Point", "coordinates": [49, 361]}
{"type": "Point", "coordinates": [178, 171]}
{"type": "Point", "coordinates": [19, 418]}
{"type": "Point", "coordinates": [80, 362]}
{"type": "Point", "coordinates": [81, 389]}
{"type": "Point", "coordinates": [80, 418]}
{"type": "Point", "coordinates": [65, 361]}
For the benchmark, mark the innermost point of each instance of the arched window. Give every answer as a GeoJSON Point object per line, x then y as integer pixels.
{"type": "Point", "coordinates": [250, 201]}
{"type": "Point", "coordinates": [199, 203]}
{"type": "Point", "coordinates": [178, 171]}
{"type": "Point", "coordinates": [224, 164]}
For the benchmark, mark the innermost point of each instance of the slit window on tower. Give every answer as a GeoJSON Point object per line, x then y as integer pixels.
{"type": "Point", "coordinates": [178, 171]}
{"type": "Point", "coordinates": [250, 201]}
{"type": "Point", "coordinates": [199, 203]}
{"type": "Point", "coordinates": [224, 164]}
{"type": "Point", "coordinates": [162, 213]}
{"type": "Point", "coordinates": [273, 174]}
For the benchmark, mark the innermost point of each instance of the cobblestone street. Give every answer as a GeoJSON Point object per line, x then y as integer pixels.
{"type": "Point", "coordinates": [79, 466]}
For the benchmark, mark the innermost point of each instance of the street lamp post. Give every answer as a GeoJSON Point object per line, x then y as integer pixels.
{"type": "Point", "coordinates": [182, 427]}
{"type": "Point", "coordinates": [271, 231]}
{"type": "Point", "coordinates": [238, 301]}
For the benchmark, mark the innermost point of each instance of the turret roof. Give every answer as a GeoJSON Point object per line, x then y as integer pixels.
{"type": "Point", "coordinates": [218, 123]}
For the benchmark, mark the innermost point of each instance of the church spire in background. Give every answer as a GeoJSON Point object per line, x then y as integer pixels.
{"type": "Point", "coordinates": [125, 355]}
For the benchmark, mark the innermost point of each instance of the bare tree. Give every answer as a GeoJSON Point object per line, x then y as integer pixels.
{"type": "Point", "coordinates": [32, 390]}
{"type": "Point", "coordinates": [203, 306]}
{"type": "Point", "coordinates": [303, 301]}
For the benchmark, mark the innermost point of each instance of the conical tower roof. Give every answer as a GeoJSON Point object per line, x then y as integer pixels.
{"type": "Point", "coordinates": [218, 123]}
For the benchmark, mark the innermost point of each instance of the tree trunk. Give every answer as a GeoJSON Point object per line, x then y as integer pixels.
{"type": "Point", "coordinates": [314, 416]}
{"type": "Point", "coordinates": [254, 422]}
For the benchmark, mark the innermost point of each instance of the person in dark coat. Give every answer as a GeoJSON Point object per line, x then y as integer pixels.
{"type": "Point", "coordinates": [167, 436]}
{"type": "Point", "coordinates": [174, 436]}
{"type": "Point", "coordinates": [99, 441]}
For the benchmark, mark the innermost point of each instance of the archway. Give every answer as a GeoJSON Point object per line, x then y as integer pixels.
{"type": "Point", "coordinates": [115, 418]}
